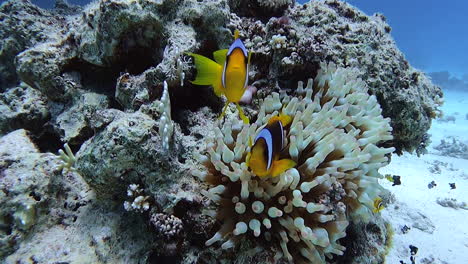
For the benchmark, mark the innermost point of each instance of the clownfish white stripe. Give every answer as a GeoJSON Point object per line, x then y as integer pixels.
{"type": "Point", "coordinates": [223, 76]}
{"type": "Point", "coordinates": [247, 77]}
{"type": "Point", "coordinates": [266, 135]}
{"type": "Point", "coordinates": [282, 135]}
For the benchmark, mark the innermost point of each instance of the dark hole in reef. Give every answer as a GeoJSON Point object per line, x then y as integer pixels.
{"type": "Point", "coordinates": [155, 259]}
{"type": "Point", "coordinates": [354, 243]}
{"type": "Point", "coordinates": [301, 72]}
{"type": "Point", "coordinates": [47, 140]}
{"type": "Point", "coordinates": [193, 97]}
{"type": "Point", "coordinates": [130, 56]}
{"type": "Point", "coordinates": [6, 226]}
{"type": "Point", "coordinates": [136, 59]}
{"type": "Point", "coordinates": [36, 196]}
{"type": "Point", "coordinates": [253, 9]}
{"type": "Point", "coordinates": [96, 78]}
{"type": "Point", "coordinates": [76, 207]}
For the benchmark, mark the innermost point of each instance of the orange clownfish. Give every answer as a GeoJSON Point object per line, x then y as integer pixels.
{"type": "Point", "coordinates": [228, 75]}
{"type": "Point", "coordinates": [378, 205]}
{"type": "Point", "coordinates": [263, 158]}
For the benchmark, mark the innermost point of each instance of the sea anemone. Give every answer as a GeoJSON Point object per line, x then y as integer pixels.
{"type": "Point", "coordinates": [333, 138]}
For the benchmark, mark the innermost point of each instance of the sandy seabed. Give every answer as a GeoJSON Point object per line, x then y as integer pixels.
{"type": "Point", "coordinates": [439, 232]}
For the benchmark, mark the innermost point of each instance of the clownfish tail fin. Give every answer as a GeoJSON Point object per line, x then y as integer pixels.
{"type": "Point", "coordinates": [208, 72]}
{"type": "Point", "coordinates": [281, 166]}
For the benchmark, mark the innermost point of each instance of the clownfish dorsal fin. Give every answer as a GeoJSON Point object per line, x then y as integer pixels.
{"type": "Point", "coordinates": [236, 34]}
{"type": "Point", "coordinates": [284, 119]}
{"type": "Point", "coordinates": [220, 56]}
{"type": "Point", "coordinates": [247, 159]}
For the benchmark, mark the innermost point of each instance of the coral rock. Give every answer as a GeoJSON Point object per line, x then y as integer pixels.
{"type": "Point", "coordinates": [22, 107]}
{"type": "Point", "coordinates": [128, 150]}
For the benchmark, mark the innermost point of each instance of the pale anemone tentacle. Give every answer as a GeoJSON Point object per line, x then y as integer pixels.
{"type": "Point", "coordinates": [336, 126]}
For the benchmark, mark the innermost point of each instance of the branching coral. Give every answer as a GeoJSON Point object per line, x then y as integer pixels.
{"type": "Point", "coordinates": [140, 202]}
{"type": "Point", "coordinates": [168, 226]}
{"type": "Point", "coordinates": [333, 139]}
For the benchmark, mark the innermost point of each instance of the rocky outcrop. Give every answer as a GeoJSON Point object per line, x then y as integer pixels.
{"type": "Point", "coordinates": [117, 36]}
{"type": "Point", "coordinates": [33, 192]}
{"type": "Point", "coordinates": [22, 25]}
{"type": "Point", "coordinates": [22, 107]}
{"type": "Point", "coordinates": [289, 48]}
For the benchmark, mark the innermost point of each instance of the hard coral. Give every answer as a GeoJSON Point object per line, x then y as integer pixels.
{"type": "Point", "coordinates": [333, 138]}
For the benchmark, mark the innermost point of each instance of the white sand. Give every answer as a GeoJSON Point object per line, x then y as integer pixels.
{"type": "Point", "coordinates": [440, 233]}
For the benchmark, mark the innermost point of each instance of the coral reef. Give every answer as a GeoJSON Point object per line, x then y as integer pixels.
{"type": "Point", "coordinates": [98, 233]}
{"type": "Point", "coordinates": [453, 203]}
{"type": "Point", "coordinates": [333, 138]}
{"type": "Point", "coordinates": [127, 150]}
{"type": "Point", "coordinates": [33, 191]}
{"type": "Point", "coordinates": [94, 77]}
{"type": "Point", "coordinates": [366, 242]}
{"type": "Point", "coordinates": [453, 147]}
{"type": "Point", "coordinates": [293, 44]}
{"type": "Point", "coordinates": [101, 43]}
{"type": "Point", "coordinates": [22, 25]}
{"type": "Point", "coordinates": [22, 107]}
{"type": "Point", "coordinates": [73, 123]}
{"type": "Point", "coordinates": [168, 226]}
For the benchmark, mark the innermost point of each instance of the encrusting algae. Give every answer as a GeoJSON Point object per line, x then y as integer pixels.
{"type": "Point", "coordinates": [332, 139]}
{"type": "Point", "coordinates": [229, 75]}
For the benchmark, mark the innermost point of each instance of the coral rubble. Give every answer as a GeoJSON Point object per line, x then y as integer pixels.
{"type": "Point", "coordinates": [334, 139]}
{"type": "Point", "coordinates": [453, 147]}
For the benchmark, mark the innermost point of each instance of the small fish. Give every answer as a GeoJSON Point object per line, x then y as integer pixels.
{"type": "Point", "coordinates": [389, 177]}
{"type": "Point", "coordinates": [378, 205]}
{"type": "Point", "coordinates": [405, 229]}
{"type": "Point", "coordinates": [229, 75]}
{"type": "Point", "coordinates": [263, 158]}
{"type": "Point", "coordinates": [396, 180]}
{"type": "Point", "coordinates": [413, 250]}
{"type": "Point", "coordinates": [452, 186]}
{"type": "Point", "coordinates": [431, 185]}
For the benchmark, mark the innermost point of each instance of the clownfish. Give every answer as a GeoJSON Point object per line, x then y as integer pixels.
{"type": "Point", "coordinates": [263, 159]}
{"type": "Point", "coordinates": [378, 205]}
{"type": "Point", "coordinates": [229, 75]}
